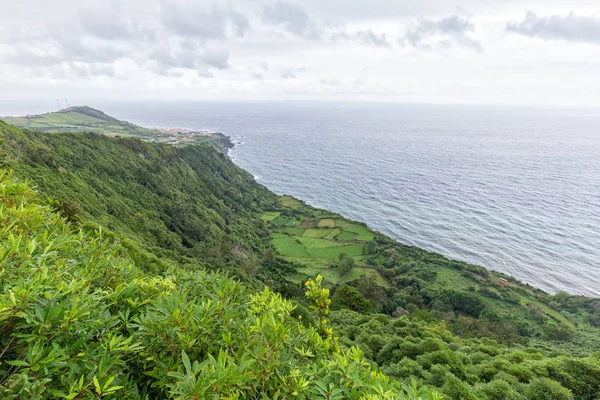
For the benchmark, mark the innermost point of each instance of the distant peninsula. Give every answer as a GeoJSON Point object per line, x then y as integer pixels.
{"type": "Point", "coordinates": [84, 118]}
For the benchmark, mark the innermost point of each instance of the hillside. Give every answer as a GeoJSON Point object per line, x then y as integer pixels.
{"type": "Point", "coordinates": [189, 205]}
{"type": "Point", "coordinates": [80, 321]}
{"type": "Point", "coordinates": [87, 119]}
{"type": "Point", "coordinates": [415, 313]}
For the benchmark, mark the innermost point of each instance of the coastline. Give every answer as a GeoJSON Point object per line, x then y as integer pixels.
{"type": "Point", "coordinates": [533, 284]}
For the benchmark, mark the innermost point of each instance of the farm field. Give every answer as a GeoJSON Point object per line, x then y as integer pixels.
{"type": "Point", "coordinates": [270, 216]}
{"type": "Point", "coordinates": [316, 240]}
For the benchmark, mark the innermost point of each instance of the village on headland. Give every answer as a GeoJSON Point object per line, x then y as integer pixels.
{"type": "Point", "coordinates": [185, 136]}
{"type": "Point", "coordinates": [181, 135]}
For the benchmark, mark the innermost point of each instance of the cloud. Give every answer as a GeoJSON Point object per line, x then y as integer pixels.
{"type": "Point", "coordinates": [188, 55]}
{"type": "Point", "coordinates": [296, 21]}
{"type": "Point", "coordinates": [370, 38]}
{"type": "Point", "coordinates": [447, 32]}
{"type": "Point", "coordinates": [570, 27]}
{"type": "Point", "coordinates": [95, 40]}
{"type": "Point", "coordinates": [217, 57]}
{"type": "Point", "coordinates": [329, 82]}
{"type": "Point", "coordinates": [364, 37]}
{"type": "Point", "coordinates": [193, 20]}
{"type": "Point", "coordinates": [292, 18]}
{"type": "Point", "coordinates": [91, 70]}
{"type": "Point", "coordinates": [58, 47]}
{"type": "Point", "coordinates": [240, 22]}
{"type": "Point", "coordinates": [287, 73]}
{"type": "Point", "coordinates": [74, 48]}
{"type": "Point", "coordinates": [112, 25]}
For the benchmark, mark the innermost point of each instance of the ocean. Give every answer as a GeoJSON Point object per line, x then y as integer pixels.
{"type": "Point", "coordinates": [514, 189]}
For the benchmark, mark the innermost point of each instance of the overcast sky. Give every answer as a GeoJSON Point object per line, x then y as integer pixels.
{"type": "Point", "coordinates": [471, 51]}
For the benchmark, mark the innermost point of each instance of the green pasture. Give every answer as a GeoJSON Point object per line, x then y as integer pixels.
{"type": "Point", "coordinates": [270, 215]}
{"type": "Point", "coordinates": [326, 222]}
{"type": "Point", "coordinates": [342, 223]}
{"type": "Point", "coordinates": [347, 236]}
{"type": "Point", "coordinates": [293, 231]}
{"type": "Point", "coordinates": [333, 253]}
{"type": "Point", "coordinates": [289, 201]}
{"type": "Point", "coordinates": [288, 246]}
{"type": "Point", "coordinates": [332, 233]}
{"type": "Point", "coordinates": [361, 232]}
{"type": "Point", "coordinates": [318, 243]}
{"type": "Point", "coordinates": [360, 272]}
{"type": "Point", "coordinates": [283, 221]}
{"type": "Point", "coordinates": [316, 233]}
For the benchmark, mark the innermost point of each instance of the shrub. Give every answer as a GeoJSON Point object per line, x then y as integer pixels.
{"type": "Point", "coordinates": [78, 320]}
{"type": "Point", "coordinates": [547, 389]}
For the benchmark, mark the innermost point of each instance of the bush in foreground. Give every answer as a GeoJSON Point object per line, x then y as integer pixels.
{"type": "Point", "coordinates": [78, 320]}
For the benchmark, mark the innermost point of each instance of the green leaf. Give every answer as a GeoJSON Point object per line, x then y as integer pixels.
{"type": "Point", "coordinates": [97, 385]}
{"type": "Point", "coordinates": [18, 363]}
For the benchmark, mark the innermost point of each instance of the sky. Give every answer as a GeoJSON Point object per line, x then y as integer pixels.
{"type": "Point", "coordinates": [544, 52]}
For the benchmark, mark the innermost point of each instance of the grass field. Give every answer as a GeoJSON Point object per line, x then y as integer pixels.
{"type": "Point", "coordinates": [293, 231]}
{"type": "Point", "coordinates": [347, 236]}
{"type": "Point", "coordinates": [318, 243]}
{"type": "Point", "coordinates": [270, 216]}
{"type": "Point", "coordinates": [342, 223]}
{"type": "Point", "coordinates": [326, 223]}
{"type": "Point", "coordinates": [315, 239]}
{"type": "Point", "coordinates": [282, 221]}
{"type": "Point", "coordinates": [360, 272]}
{"type": "Point", "coordinates": [362, 232]}
{"type": "Point", "coordinates": [288, 246]}
{"type": "Point", "coordinates": [333, 253]}
{"type": "Point", "coordinates": [79, 119]}
{"type": "Point", "coordinates": [289, 201]}
{"type": "Point", "coordinates": [332, 233]}
{"type": "Point", "coordinates": [317, 233]}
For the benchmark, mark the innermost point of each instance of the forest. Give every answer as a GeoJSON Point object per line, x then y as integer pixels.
{"type": "Point", "coordinates": [142, 270]}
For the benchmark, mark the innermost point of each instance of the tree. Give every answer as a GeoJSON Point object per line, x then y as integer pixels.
{"type": "Point", "coordinates": [350, 298]}
{"type": "Point", "coordinates": [547, 389]}
{"type": "Point", "coordinates": [345, 264]}
{"type": "Point", "coordinates": [318, 300]}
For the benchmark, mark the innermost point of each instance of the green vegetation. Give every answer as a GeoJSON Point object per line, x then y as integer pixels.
{"type": "Point", "coordinates": [317, 239]}
{"type": "Point", "coordinates": [413, 279]}
{"type": "Point", "coordinates": [79, 321]}
{"type": "Point", "coordinates": [77, 119]}
{"type": "Point", "coordinates": [290, 247]}
{"type": "Point", "coordinates": [291, 202]}
{"type": "Point", "coordinates": [87, 119]}
{"type": "Point", "coordinates": [160, 217]}
{"type": "Point", "coordinates": [347, 235]}
{"type": "Point", "coordinates": [168, 204]}
{"type": "Point", "coordinates": [270, 216]}
{"type": "Point", "coordinates": [419, 346]}
{"type": "Point", "coordinates": [326, 223]}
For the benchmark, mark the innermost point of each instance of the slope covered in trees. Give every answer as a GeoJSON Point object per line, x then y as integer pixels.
{"type": "Point", "coordinates": [417, 346]}
{"type": "Point", "coordinates": [78, 320]}
{"type": "Point", "coordinates": [188, 205]}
